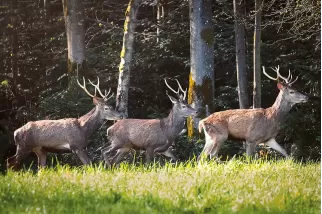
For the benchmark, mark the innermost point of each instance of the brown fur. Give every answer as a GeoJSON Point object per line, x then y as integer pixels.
{"type": "Point", "coordinates": [252, 125]}
{"type": "Point", "coordinates": [152, 135]}
{"type": "Point", "coordinates": [66, 135]}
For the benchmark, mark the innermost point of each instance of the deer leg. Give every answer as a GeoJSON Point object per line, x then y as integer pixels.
{"type": "Point", "coordinates": [119, 155]}
{"type": "Point", "coordinates": [169, 154]}
{"type": "Point", "coordinates": [219, 141]}
{"type": "Point", "coordinates": [274, 145]}
{"type": "Point", "coordinates": [42, 156]}
{"type": "Point", "coordinates": [215, 150]}
{"type": "Point", "coordinates": [164, 147]}
{"type": "Point", "coordinates": [82, 156]}
{"type": "Point", "coordinates": [15, 160]}
{"type": "Point", "coordinates": [207, 148]}
{"type": "Point", "coordinates": [106, 151]}
{"type": "Point", "coordinates": [149, 155]}
{"type": "Point", "coordinates": [250, 148]}
{"type": "Point", "coordinates": [215, 137]}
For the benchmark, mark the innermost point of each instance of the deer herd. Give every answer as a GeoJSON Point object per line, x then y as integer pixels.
{"type": "Point", "coordinates": [254, 126]}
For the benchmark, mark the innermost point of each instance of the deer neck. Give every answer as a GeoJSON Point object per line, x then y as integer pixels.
{"type": "Point", "coordinates": [280, 108]}
{"type": "Point", "coordinates": [174, 123]}
{"type": "Point", "coordinates": [91, 121]}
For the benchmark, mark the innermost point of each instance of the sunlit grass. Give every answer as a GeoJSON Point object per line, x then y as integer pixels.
{"type": "Point", "coordinates": [237, 186]}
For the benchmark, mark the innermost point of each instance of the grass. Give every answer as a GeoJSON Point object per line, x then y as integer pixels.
{"type": "Point", "coordinates": [237, 186]}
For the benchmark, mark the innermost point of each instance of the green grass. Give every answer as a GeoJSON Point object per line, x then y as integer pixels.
{"type": "Point", "coordinates": [248, 186]}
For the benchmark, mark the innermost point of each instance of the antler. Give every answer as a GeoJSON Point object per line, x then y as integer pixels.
{"type": "Point", "coordinates": [104, 96]}
{"type": "Point", "coordinates": [177, 92]}
{"type": "Point", "coordinates": [84, 87]}
{"type": "Point", "coordinates": [96, 89]}
{"type": "Point", "coordinates": [184, 92]}
{"type": "Point", "coordinates": [275, 79]}
{"type": "Point", "coordinates": [287, 80]}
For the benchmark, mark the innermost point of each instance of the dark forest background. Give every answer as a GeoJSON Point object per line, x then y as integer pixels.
{"type": "Point", "coordinates": [33, 65]}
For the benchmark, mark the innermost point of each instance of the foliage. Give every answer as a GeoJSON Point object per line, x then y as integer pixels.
{"type": "Point", "coordinates": [242, 186]}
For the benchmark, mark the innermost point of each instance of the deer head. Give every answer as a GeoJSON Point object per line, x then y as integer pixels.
{"type": "Point", "coordinates": [180, 105]}
{"type": "Point", "coordinates": [107, 112]}
{"type": "Point", "coordinates": [289, 94]}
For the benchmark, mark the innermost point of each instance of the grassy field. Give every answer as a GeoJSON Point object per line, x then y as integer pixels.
{"type": "Point", "coordinates": [236, 186]}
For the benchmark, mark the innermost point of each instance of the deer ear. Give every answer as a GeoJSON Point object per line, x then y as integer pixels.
{"type": "Point", "coordinates": [280, 86]}
{"type": "Point", "coordinates": [97, 100]}
{"type": "Point", "coordinates": [173, 100]}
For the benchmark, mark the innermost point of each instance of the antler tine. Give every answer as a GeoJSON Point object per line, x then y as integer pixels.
{"type": "Point", "coordinates": [293, 81]}
{"type": "Point", "coordinates": [275, 79]}
{"type": "Point", "coordinates": [97, 87]}
{"type": "Point", "coordinates": [177, 92]}
{"type": "Point", "coordinates": [289, 78]}
{"type": "Point", "coordinates": [277, 70]}
{"type": "Point", "coordinates": [109, 90]}
{"type": "Point", "coordinates": [106, 99]}
{"type": "Point", "coordinates": [184, 91]}
{"type": "Point", "coordinates": [84, 87]}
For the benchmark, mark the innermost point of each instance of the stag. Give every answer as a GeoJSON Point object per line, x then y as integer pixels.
{"type": "Point", "coordinates": [254, 126]}
{"type": "Point", "coordinates": [64, 135]}
{"type": "Point", "coordinates": [152, 135]}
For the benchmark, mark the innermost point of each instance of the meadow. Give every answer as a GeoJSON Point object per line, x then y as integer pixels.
{"type": "Point", "coordinates": [236, 186]}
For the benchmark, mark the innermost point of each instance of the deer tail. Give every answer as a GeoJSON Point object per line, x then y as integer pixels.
{"type": "Point", "coordinates": [201, 125]}
{"type": "Point", "coordinates": [17, 136]}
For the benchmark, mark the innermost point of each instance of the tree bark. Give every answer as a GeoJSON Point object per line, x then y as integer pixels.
{"type": "Point", "coordinates": [126, 57]}
{"type": "Point", "coordinates": [257, 56]}
{"type": "Point", "coordinates": [239, 13]}
{"type": "Point", "coordinates": [75, 31]}
{"type": "Point", "coordinates": [201, 80]}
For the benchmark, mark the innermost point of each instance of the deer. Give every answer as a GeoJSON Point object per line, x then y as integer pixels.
{"type": "Point", "coordinates": [254, 126]}
{"type": "Point", "coordinates": [151, 135]}
{"type": "Point", "coordinates": [63, 135]}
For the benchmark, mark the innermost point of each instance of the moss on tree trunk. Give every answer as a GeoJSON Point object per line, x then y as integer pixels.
{"type": "Point", "coordinates": [126, 57]}
{"type": "Point", "coordinates": [204, 93]}
{"type": "Point", "coordinates": [201, 80]}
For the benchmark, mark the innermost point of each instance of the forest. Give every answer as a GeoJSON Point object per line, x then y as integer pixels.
{"type": "Point", "coordinates": [214, 52]}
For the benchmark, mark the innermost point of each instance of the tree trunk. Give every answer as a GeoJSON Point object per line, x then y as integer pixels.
{"type": "Point", "coordinates": [257, 56]}
{"type": "Point", "coordinates": [201, 80]}
{"type": "Point", "coordinates": [239, 13]}
{"type": "Point", "coordinates": [75, 31]}
{"type": "Point", "coordinates": [126, 57]}
{"type": "Point", "coordinates": [160, 17]}
{"type": "Point", "coordinates": [14, 45]}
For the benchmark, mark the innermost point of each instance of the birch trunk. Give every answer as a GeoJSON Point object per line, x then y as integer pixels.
{"type": "Point", "coordinates": [201, 81]}
{"type": "Point", "coordinates": [126, 57]}
{"type": "Point", "coordinates": [239, 13]}
{"type": "Point", "coordinates": [257, 57]}
{"type": "Point", "coordinates": [75, 31]}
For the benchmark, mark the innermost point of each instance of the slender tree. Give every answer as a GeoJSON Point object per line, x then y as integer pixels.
{"type": "Point", "coordinates": [75, 31]}
{"type": "Point", "coordinates": [257, 57]}
{"type": "Point", "coordinates": [126, 57]}
{"type": "Point", "coordinates": [201, 81]}
{"type": "Point", "coordinates": [239, 13]}
{"type": "Point", "coordinates": [160, 17]}
{"type": "Point", "coordinates": [14, 44]}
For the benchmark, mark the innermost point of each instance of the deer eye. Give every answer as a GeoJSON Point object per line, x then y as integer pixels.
{"type": "Point", "coordinates": [291, 92]}
{"type": "Point", "coordinates": [106, 108]}
{"type": "Point", "coordinates": [183, 106]}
